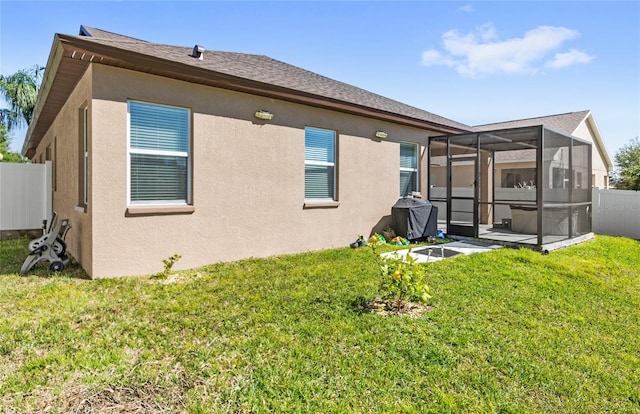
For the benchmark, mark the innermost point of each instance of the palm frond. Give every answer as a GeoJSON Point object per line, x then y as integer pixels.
{"type": "Point", "coordinates": [20, 91]}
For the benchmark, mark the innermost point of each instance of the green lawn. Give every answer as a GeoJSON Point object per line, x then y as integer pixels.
{"type": "Point", "coordinates": [509, 331]}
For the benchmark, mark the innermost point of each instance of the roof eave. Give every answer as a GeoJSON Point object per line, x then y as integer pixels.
{"type": "Point", "coordinates": [77, 48]}
{"type": "Point", "coordinates": [53, 63]}
{"type": "Point", "coordinates": [591, 123]}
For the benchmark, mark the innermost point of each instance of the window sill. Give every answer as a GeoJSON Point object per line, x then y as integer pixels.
{"type": "Point", "coordinates": [158, 210]}
{"type": "Point", "coordinates": [321, 204]}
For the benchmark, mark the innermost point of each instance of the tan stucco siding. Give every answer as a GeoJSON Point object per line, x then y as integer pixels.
{"type": "Point", "coordinates": [63, 140]}
{"type": "Point", "coordinates": [598, 167]}
{"type": "Point", "coordinates": [510, 166]}
{"type": "Point", "coordinates": [248, 178]}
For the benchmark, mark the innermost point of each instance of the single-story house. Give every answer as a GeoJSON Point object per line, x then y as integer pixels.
{"type": "Point", "coordinates": [219, 156]}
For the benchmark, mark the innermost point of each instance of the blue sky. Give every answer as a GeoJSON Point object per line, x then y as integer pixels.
{"type": "Point", "coordinates": [474, 62]}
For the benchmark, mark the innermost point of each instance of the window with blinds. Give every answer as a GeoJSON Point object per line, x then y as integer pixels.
{"type": "Point", "coordinates": [159, 165]}
{"type": "Point", "coordinates": [319, 164]}
{"type": "Point", "coordinates": [408, 168]}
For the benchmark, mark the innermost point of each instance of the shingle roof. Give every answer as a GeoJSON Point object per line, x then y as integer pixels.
{"type": "Point", "coordinates": [249, 73]}
{"type": "Point", "coordinates": [566, 123]}
{"type": "Point", "coordinates": [103, 34]}
{"type": "Point", "coordinates": [270, 71]}
{"type": "Point", "coordinates": [516, 156]}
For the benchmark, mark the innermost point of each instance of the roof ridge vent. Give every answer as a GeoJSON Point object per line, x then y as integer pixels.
{"type": "Point", "coordinates": [198, 52]}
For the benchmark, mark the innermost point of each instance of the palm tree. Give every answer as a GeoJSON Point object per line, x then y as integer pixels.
{"type": "Point", "coordinates": [20, 91]}
{"type": "Point", "coordinates": [5, 154]}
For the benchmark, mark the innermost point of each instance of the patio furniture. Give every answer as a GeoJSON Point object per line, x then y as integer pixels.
{"type": "Point", "coordinates": [555, 220]}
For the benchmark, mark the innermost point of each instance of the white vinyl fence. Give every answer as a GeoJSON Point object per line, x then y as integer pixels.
{"type": "Point", "coordinates": [25, 196]}
{"type": "Point", "coordinates": [616, 212]}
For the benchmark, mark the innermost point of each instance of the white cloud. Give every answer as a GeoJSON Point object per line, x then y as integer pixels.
{"type": "Point", "coordinates": [431, 57]}
{"type": "Point", "coordinates": [572, 57]}
{"type": "Point", "coordinates": [482, 52]}
{"type": "Point", "coordinates": [467, 8]}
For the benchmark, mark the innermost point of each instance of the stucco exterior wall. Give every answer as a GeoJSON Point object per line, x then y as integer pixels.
{"type": "Point", "coordinates": [248, 178]}
{"type": "Point", "coordinates": [510, 166]}
{"type": "Point", "coordinates": [63, 139]}
{"type": "Point", "coordinates": [598, 167]}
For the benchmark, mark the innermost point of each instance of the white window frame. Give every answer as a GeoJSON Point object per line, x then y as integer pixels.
{"type": "Point", "coordinates": [184, 154]}
{"type": "Point", "coordinates": [415, 170]}
{"type": "Point", "coordinates": [324, 164]}
{"type": "Point", "coordinates": [85, 154]}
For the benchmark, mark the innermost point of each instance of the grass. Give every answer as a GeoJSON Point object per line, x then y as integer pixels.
{"type": "Point", "coordinates": [510, 331]}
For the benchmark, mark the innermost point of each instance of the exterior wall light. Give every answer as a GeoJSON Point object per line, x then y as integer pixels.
{"type": "Point", "coordinates": [262, 114]}
{"type": "Point", "coordinates": [381, 134]}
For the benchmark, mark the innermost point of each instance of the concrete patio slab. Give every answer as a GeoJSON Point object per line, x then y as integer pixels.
{"type": "Point", "coordinates": [444, 251]}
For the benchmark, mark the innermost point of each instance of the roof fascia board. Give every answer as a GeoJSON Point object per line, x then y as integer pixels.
{"type": "Point", "coordinates": [53, 63]}
{"type": "Point", "coordinates": [226, 81]}
{"type": "Point", "coordinates": [602, 149]}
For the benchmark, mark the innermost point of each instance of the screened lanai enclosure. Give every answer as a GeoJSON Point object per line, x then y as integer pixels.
{"type": "Point", "coordinates": [525, 186]}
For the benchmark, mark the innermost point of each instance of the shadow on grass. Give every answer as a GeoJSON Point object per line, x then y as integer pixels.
{"type": "Point", "coordinates": [360, 305]}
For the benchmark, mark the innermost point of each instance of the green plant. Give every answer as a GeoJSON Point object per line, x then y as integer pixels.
{"type": "Point", "coordinates": [20, 92]}
{"type": "Point", "coordinates": [402, 279]}
{"type": "Point", "coordinates": [627, 173]}
{"type": "Point", "coordinates": [510, 331]}
{"type": "Point", "coordinates": [376, 240]}
{"type": "Point", "coordinates": [168, 266]}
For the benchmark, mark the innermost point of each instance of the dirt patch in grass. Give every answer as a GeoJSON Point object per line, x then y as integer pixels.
{"type": "Point", "coordinates": [142, 399]}
{"type": "Point", "coordinates": [175, 278]}
{"type": "Point", "coordinates": [388, 308]}
{"type": "Point", "coordinates": [86, 399]}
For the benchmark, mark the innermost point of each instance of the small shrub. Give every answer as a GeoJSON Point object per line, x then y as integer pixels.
{"type": "Point", "coordinates": [402, 279]}
{"type": "Point", "coordinates": [168, 266]}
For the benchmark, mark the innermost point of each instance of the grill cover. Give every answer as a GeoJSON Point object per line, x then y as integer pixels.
{"type": "Point", "coordinates": [414, 218]}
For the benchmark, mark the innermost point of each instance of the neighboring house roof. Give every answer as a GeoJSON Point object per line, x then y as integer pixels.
{"type": "Point", "coordinates": [567, 123]}
{"type": "Point", "coordinates": [256, 74]}
{"type": "Point", "coordinates": [527, 155]}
